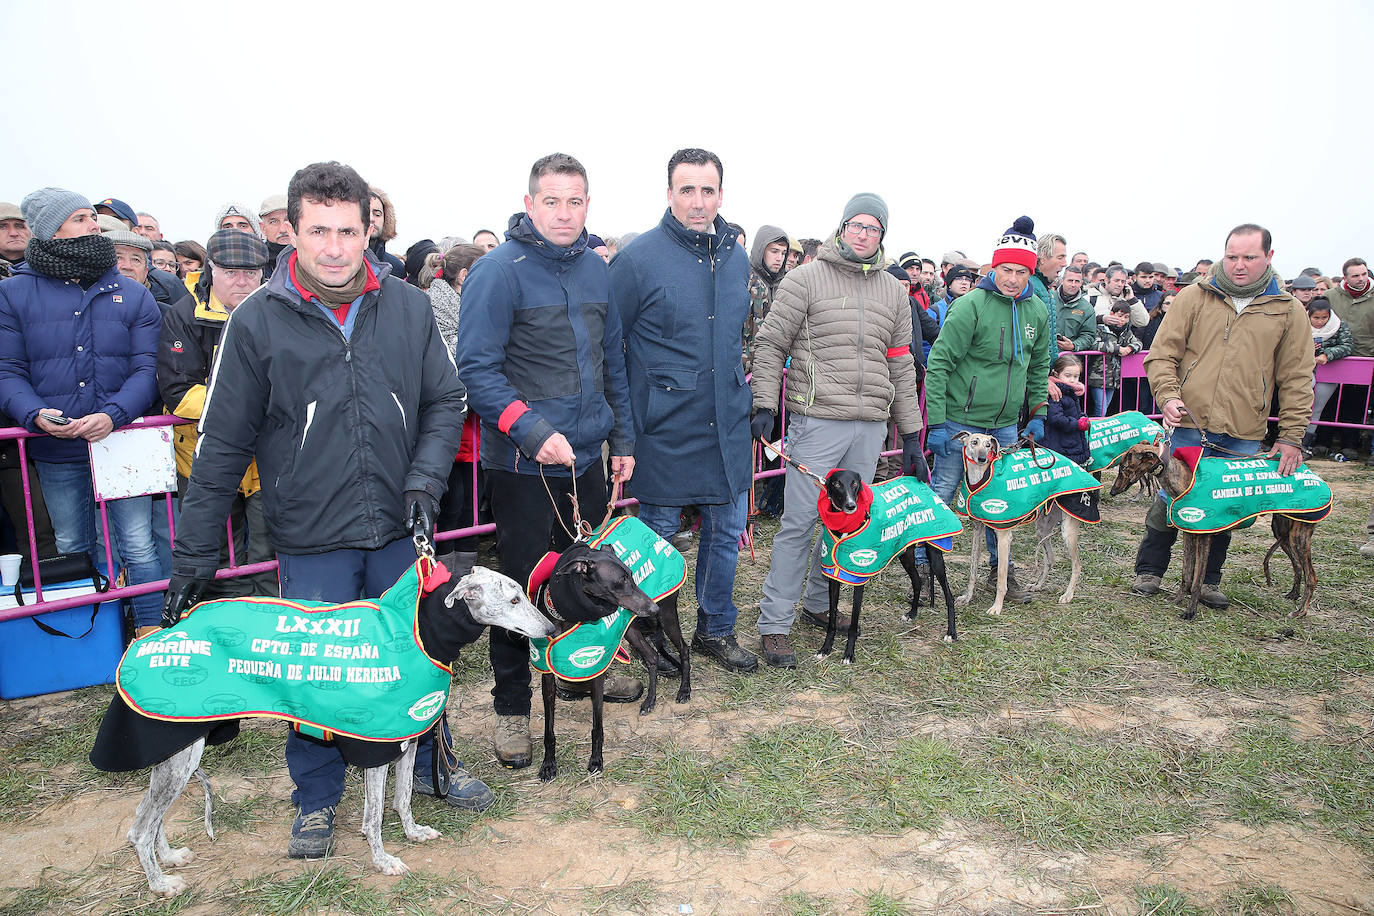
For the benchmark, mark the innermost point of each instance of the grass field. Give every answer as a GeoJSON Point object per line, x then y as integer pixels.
{"type": "Point", "coordinates": [1103, 757]}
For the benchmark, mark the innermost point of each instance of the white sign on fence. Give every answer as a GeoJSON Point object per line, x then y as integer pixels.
{"type": "Point", "coordinates": [134, 462]}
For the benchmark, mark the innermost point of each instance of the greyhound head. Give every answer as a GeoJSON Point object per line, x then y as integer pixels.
{"type": "Point", "coordinates": [979, 451]}
{"type": "Point", "coordinates": [590, 583]}
{"type": "Point", "coordinates": [495, 600]}
{"type": "Point", "coordinates": [842, 488]}
{"type": "Point", "coordinates": [1140, 461]}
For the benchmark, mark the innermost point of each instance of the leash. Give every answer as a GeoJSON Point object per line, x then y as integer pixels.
{"type": "Point", "coordinates": [777, 450]}
{"type": "Point", "coordinates": [581, 530]}
{"type": "Point", "coordinates": [442, 748]}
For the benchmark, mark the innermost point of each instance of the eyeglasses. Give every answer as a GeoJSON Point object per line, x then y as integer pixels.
{"type": "Point", "coordinates": [860, 229]}
{"type": "Point", "coordinates": [168, 265]}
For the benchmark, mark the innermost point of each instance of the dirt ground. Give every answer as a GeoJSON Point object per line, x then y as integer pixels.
{"type": "Point", "coordinates": [539, 861]}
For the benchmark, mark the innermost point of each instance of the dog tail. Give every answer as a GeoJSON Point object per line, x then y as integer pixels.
{"type": "Point", "coordinates": [1273, 547]}
{"type": "Point", "coordinates": [209, 799]}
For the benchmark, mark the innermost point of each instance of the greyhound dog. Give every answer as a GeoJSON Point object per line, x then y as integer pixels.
{"type": "Point", "coordinates": [979, 451]}
{"type": "Point", "coordinates": [1291, 535]}
{"type": "Point", "coordinates": [842, 489]}
{"type": "Point", "coordinates": [588, 584]}
{"type": "Point", "coordinates": [481, 599]}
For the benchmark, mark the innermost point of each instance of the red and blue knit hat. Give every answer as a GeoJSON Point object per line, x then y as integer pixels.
{"type": "Point", "coordinates": [1017, 245]}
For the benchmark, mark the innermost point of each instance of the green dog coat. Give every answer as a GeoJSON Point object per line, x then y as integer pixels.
{"type": "Point", "coordinates": [355, 669]}
{"type": "Point", "coordinates": [1020, 482]}
{"type": "Point", "coordinates": [1233, 492]}
{"type": "Point", "coordinates": [1110, 437]}
{"type": "Point", "coordinates": [901, 512]}
{"type": "Point", "coordinates": [585, 650]}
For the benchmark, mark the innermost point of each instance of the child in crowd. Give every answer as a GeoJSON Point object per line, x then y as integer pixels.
{"type": "Point", "coordinates": [1333, 341]}
{"type": "Point", "coordinates": [1066, 429]}
{"type": "Point", "coordinates": [1116, 339]}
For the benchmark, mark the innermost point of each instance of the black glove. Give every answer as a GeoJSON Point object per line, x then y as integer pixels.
{"type": "Point", "coordinates": [761, 427]}
{"type": "Point", "coordinates": [419, 513]}
{"type": "Point", "coordinates": [183, 592]}
{"type": "Point", "coordinates": [913, 459]}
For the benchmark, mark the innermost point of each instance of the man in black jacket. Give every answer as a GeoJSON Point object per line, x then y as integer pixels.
{"type": "Point", "coordinates": [335, 377]}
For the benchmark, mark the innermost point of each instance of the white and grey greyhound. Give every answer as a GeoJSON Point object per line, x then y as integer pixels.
{"type": "Point", "coordinates": [484, 598]}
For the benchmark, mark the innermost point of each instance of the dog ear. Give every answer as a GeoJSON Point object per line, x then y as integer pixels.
{"type": "Point", "coordinates": [996, 448]}
{"type": "Point", "coordinates": [583, 567]}
{"type": "Point", "coordinates": [960, 436]}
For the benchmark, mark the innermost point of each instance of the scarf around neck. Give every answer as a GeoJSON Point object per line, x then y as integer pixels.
{"type": "Point", "coordinates": [849, 254]}
{"type": "Point", "coordinates": [1249, 290]}
{"type": "Point", "coordinates": [333, 296]}
{"type": "Point", "coordinates": [85, 258]}
{"type": "Point", "coordinates": [1355, 293]}
{"type": "Point", "coordinates": [1325, 333]}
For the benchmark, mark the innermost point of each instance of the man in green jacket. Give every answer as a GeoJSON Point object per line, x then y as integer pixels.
{"type": "Point", "coordinates": [1077, 325]}
{"type": "Point", "coordinates": [991, 358]}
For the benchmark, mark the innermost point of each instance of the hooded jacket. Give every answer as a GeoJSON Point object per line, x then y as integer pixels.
{"type": "Point", "coordinates": [1226, 366]}
{"type": "Point", "coordinates": [541, 352]}
{"type": "Point", "coordinates": [81, 351]}
{"type": "Point", "coordinates": [341, 427]}
{"type": "Point", "coordinates": [992, 357]}
{"type": "Point", "coordinates": [763, 286]}
{"type": "Point", "coordinates": [682, 301]}
{"type": "Point", "coordinates": [847, 329]}
{"type": "Point", "coordinates": [1061, 425]}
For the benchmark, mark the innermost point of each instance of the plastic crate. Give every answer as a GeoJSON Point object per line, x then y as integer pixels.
{"type": "Point", "coordinates": [33, 661]}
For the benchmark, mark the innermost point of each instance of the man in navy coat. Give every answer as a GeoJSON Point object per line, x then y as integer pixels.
{"type": "Point", "coordinates": [682, 291]}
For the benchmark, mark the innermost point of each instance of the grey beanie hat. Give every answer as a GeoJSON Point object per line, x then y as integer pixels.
{"type": "Point", "coordinates": [866, 202]}
{"type": "Point", "coordinates": [46, 209]}
{"type": "Point", "coordinates": [132, 239]}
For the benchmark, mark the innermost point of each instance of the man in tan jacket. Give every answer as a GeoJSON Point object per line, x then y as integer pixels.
{"type": "Point", "coordinates": [1226, 345]}
{"type": "Point", "coordinates": [846, 324]}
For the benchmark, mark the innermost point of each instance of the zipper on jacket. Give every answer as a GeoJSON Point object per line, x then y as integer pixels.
{"type": "Point", "coordinates": [1002, 343]}
{"type": "Point", "coordinates": [972, 387]}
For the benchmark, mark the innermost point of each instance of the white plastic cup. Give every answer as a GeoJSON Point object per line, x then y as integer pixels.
{"type": "Point", "coordinates": [9, 569]}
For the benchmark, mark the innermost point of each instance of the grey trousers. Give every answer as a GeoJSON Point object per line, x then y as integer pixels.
{"type": "Point", "coordinates": [820, 445]}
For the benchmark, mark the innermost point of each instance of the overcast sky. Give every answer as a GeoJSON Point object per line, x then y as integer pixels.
{"type": "Point", "coordinates": [1140, 131]}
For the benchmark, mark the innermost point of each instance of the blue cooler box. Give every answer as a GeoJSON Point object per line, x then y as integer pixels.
{"type": "Point", "coordinates": [33, 661]}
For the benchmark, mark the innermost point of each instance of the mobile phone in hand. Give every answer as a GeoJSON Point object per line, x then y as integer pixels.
{"type": "Point", "coordinates": [56, 418]}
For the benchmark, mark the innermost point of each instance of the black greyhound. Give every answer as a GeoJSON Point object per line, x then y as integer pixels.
{"type": "Point", "coordinates": [586, 585]}
{"type": "Point", "coordinates": [842, 489]}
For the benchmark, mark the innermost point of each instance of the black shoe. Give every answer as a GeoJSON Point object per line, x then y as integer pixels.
{"type": "Point", "coordinates": [312, 835]}
{"type": "Point", "coordinates": [725, 650]}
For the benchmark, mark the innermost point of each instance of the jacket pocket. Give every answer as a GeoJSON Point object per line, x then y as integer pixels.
{"type": "Point", "coordinates": [669, 391]}
{"type": "Point", "coordinates": [741, 377]}
{"type": "Point", "coordinates": [972, 387]}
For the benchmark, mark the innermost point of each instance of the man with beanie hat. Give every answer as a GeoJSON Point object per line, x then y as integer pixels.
{"type": "Point", "coordinates": [75, 329]}
{"type": "Point", "coordinates": [276, 229]}
{"type": "Point", "coordinates": [992, 358]}
{"type": "Point", "coordinates": [14, 235]}
{"type": "Point", "coordinates": [191, 334]}
{"type": "Point", "coordinates": [334, 377]}
{"type": "Point", "coordinates": [843, 322]}
{"type": "Point", "coordinates": [1219, 339]}
{"type": "Point", "coordinates": [240, 217]}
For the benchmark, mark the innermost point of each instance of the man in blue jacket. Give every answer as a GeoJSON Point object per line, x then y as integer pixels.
{"type": "Point", "coordinates": [78, 358]}
{"type": "Point", "coordinates": [542, 357]}
{"type": "Point", "coordinates": [682, 293]}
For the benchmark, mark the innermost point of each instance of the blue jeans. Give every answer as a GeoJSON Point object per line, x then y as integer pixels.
{"type": "Point", "coordinates": [949, 470]}
{"type": "Point", "coordinates": [1099, 398]}
{"type": "Point", "coordinates": [717, 557]}
{"type": "Point", "coordinates": [72, 508]}
{"type": "Point", "coordinates": [317, 767]}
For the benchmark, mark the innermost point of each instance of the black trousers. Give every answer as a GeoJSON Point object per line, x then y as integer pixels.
{"type": "Point", "coordinates": [526, 529]}
{"type": "Point", "coordinates": [455, 509]}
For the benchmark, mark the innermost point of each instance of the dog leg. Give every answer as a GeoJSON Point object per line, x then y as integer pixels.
{"type": "Point", "coordinates": [1200, 552]}
{"type": "Point", "coordinates": [549, 769]}
{"type": "Point", "coordinates": [1284, 529]}
{"type": "Point", "coordinates": [938, 574]}
{"type": "Point", "coordinates": [976, 535]}
{"type": "Point", "coordinates": [853, 637]}
{"type": "Point", "coordinates": [908, 561]}
{"type": "Point", "coordinates": [165, 785]}
{"type": "Point", "coordinates": [1185, 582]}
{"type": "Point", "coordinates": [832, 619]}
{"type": "Point", "coordinates": [1071, 526]}
{"type": "Point", "coordinates": [175, 858]}
{"type": "Point", "coordinates": [405, 786]}
{"type": "Point", "coordinates": [1300, 539]}
{"type": "Point", "coordinates": [596, 763]}
{"type": "Point", "coordinates": [374, 804]}
{"type": "Point", "coordinates": [1044, 546]}
{"type": "Point", "coordinates": [1003, 570]}
{"type": "Point", "coordinates": [672, 628]}
{"type": "Point", "coordinates": [641, 644]}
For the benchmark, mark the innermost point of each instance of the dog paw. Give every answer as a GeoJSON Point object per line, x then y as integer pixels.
{"type": "Point", "coordinates": [1066, 598]}
{"type": "Point", "coordinates": [1297, 612]}
{"type": "Point", "coordinates": [548, 771]}
{"type": "Point", "coordinates": [948, 638]}
{"type": "Point", "coordinates": [178, 857]}
{"type": "Point", "coordinates": [647, 707]}
{"type": "Point", "coordinates": [169, 886]}
{"type": "Point", "coordinates": [390, 865]}
{"type": "Point", "coordinates": [822, 656]}
{"type": "Point", "coordinates": [846, 661]}
{"type": "Point", "coordinates": [995, 610]}
{"type": "Point", "coordinates": [422, 834]}
{"type": "Point", "coordinates": [595, 767]}
{"type": "Point", "coordinates": [683, 696]}
{"type": "Point", "coordinates": [963, 600]}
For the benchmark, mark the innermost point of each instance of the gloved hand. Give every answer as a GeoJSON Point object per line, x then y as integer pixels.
{"type": "Point", "coordinates": [1036, 428]}
{"type": "Point", "coordinates": [762, 425]}
{"type": "Point", "coordinates": [183, 592]}
{"type": "Point", "coordinates": [1083, 424]}
{"type": "Point", "coordinates": [419, 513]}
{"type": "Point", "coordinates": [913, 459]}
{"type": "Point", "coordinates": [937, 439]}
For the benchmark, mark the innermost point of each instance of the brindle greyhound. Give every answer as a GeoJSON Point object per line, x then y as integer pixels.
{"type": "Point", "coordinates": [1291, 535]}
